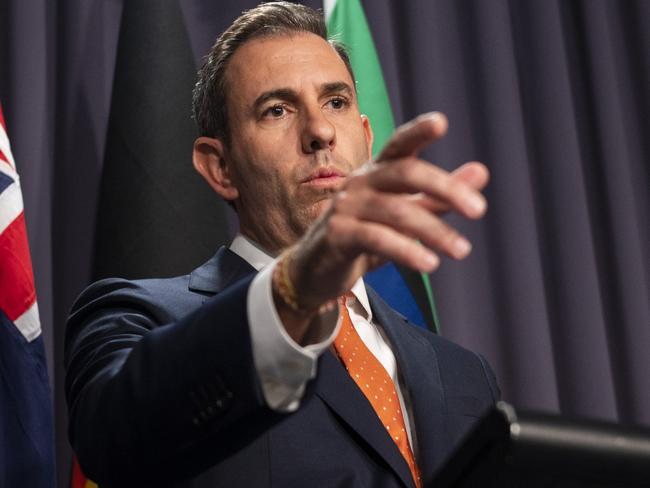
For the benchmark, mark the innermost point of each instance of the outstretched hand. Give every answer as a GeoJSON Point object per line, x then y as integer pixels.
{"type": "Point", "coordinates": [388, 210]}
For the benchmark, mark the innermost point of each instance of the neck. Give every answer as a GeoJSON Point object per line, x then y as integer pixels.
{"type": "Point", "coordinates": [272, 243]}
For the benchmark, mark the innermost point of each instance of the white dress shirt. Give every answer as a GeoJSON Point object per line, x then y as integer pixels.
{"type": "Point", "coordinates": [283, 366]}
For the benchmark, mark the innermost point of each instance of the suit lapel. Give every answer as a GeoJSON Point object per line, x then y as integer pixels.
{"type": "Point", "coordinates": [222, 270]}
{"type": "Point", "coordinates": [418, 366]}
{"type": "Point", "coordinates": [335, 387]}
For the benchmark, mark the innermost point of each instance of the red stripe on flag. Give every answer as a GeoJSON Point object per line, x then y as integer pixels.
{"type": "Point", "coordinates": [79, 480]}
{"type": "Point", "coordinates": [2, 119]}
{"type": "Point", "coordinates": [17, 291]}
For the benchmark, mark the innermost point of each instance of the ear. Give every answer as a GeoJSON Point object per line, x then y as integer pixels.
{"type": "Point", "coordinates": [367, 130]}
{"type": "Point", "coordinates": [209, 160]}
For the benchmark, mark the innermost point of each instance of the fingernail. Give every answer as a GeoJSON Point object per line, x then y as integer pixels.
{"type": "Point", "coordinates": [461, 248]}
{"type": "Point", "coordinates": [438, 118]}
{"type": "Point", "coordinates": [431, 260]}
{"type": "Point", "coordinates": [476, 203]}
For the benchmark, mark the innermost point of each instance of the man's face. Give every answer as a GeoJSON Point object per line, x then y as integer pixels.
{"type": "Point", "coordinates": [296, 132]}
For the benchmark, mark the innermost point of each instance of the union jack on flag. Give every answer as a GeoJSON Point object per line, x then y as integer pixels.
{"type": "Point", "coordinates": [26, 438]}
{"type": "Point", "coordinates": [18, 298]}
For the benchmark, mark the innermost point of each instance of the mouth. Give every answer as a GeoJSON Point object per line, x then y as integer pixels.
{"type": "Point", "coordinates": [324, 177]}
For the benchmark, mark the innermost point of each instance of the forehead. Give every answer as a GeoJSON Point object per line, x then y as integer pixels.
{"type": "Point", "coordinates": [284, 61]}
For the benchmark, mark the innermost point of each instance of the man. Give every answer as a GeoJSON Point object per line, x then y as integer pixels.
{"type": "Point", "coordinates": [228, 377]}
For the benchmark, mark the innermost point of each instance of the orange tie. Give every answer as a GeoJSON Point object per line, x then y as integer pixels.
{"type": "Point", "coordinates": [373, 380]}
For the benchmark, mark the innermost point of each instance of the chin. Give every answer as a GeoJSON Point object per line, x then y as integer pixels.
{"type": "Point", "coordinates": [308, 215]}
{"type": "Point", "coordinates": [321, 207]}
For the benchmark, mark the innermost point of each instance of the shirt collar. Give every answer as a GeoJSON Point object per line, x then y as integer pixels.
{"type": "Point", "coordinates": [259, 258]}
{"type": "Point", "coordinates": [250, 252]}
{"type": "Point", "coordinates": [359, 292]}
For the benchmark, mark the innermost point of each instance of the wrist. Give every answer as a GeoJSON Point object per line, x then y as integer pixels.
{"type": "Point", "coordinates": [285, 292]}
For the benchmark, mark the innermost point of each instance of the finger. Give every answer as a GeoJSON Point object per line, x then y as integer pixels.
{"type": "Point", "coordinates": [413, 136]}
{"type": "Point", "coordinates": [356, 237]}
{"type": "Point", "coordinates": [431, 205]}
{"type": "Point", "coordinates": [406, 217]}
{"type": "Point", "coordinates": [415, 176]}
{"type": "Point", "coordinates": [473, 173]}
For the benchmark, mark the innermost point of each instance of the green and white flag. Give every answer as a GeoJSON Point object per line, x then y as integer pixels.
{"type": "Point", "coordinates": [347, 23]}
{"type": "Point", "coordinates": [407, 291]}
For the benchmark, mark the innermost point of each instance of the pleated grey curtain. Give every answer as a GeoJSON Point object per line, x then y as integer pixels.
{"type": "Point", "coordinates": [552, 95]}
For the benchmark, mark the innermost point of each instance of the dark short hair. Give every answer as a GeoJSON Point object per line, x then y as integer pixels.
{"type": "Point", "coordinates": [268, 19]}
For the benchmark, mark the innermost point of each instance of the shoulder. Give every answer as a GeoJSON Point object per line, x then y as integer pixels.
{"type": "Point", "coordinates": [461, 371]}
{"type": "Point", "coordinates": [160, 296]}
{"type": "Point", "coordinates": [460, 368]}
{"type": "Point", "coordinates": [119, 307]}
{"type": "Point", "coordinates": [446, 350]}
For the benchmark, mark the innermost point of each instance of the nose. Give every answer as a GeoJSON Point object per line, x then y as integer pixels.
{"type": "Point", "coordinates": [318, 132]}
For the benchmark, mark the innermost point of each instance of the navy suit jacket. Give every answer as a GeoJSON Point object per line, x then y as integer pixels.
{"type": "Point", "coordinates": [162, 391]}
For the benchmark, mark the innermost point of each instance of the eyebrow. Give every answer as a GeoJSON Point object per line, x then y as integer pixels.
{"type": "Point", "coordinates": [337, 87]}
{"type": "Point", "coordinates": [291, 95]}
{"type": "Point", "coordinates": [279, 93]}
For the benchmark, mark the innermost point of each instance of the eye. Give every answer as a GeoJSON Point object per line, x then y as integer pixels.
{"type": "Point", "coordinates": [275, 111]}
{"type": "Point", "coordinates": [338, 103]}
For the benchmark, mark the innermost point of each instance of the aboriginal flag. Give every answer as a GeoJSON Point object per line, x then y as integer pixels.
{"type": "Point", "coordinates": [157, 217]}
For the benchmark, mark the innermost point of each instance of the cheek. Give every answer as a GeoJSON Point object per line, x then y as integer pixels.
{"type": "Point", "coordinates": [359, 154]}
{"type": "Point", "coordinates": [261, 177]}
{"type": "Point", "coordinates": [269, 159]}
{"type": "Point", "coordinates": [351, 132]}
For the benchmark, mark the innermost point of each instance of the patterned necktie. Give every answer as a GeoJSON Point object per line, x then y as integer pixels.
{"type": "Point", "coordinates": [375, 383]}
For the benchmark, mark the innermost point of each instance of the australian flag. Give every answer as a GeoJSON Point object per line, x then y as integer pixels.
{"type": "Point", "coordinates": [26, 438]}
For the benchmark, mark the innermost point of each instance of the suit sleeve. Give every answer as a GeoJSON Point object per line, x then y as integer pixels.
{"type": "Point", "coordinates": [283, 366]}
{"type": "Point", "coordinates": [153, 396]}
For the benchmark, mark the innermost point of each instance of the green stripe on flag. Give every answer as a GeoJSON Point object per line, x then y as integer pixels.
{"type": "Point", "coordinates": [346, 22]}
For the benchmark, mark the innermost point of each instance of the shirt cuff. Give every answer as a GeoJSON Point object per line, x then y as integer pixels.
{"type": "Point", "coordinates": [283, 366]}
